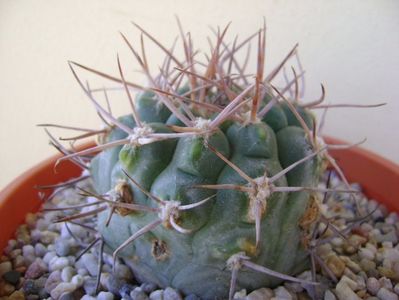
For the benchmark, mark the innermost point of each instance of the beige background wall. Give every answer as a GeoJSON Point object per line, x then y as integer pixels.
{"type": "Point", "coordinates": [350, 46]}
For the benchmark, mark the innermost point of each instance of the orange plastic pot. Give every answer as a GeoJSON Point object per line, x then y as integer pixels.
{"type": "Point", "coordinates": [378, 176]}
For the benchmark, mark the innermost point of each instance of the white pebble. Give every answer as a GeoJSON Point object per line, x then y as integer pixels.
{"type": "Point", "coordinates": [61, 288]}
{"type": "Point", "coordinates": [260, 294]}
{"type": "Point", "coordinates": [344, 289]}
{"type": "Point", "coordinates": [386, 283]}
{"type": "Point", "coordinates": [58, 263]}
{"type": "Point", "coordinates": [366, 253]}
{"type": "Point", "coordinates": [91, 263]}
{"type": "Point", "coordinates": [28, 250]}
{"type": "Point", "coordinates": [87, 297]}
{"type": "Point", "coordinates": [49, 256]}
{"type": "Point", "coordinates": [156, 295]}
{"type": "Point", "coordinates": [77, 280]}
{"type": "Point", "coordinates": [385, 294]}
{"type": "Point", "coordinates": [105, 296]}
{"type": "Point", "coordinates": [282, 293]}
{"type": "Point", "coordinates": [67, 274]}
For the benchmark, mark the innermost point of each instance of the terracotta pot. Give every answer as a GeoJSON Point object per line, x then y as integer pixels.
{"type": "Point", "coordinates": [378, 176]}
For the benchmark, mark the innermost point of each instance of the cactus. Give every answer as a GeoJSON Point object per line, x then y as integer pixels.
{"type": "Point", "coordinates": [210, 183]}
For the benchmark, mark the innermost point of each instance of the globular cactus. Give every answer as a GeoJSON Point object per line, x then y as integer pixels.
{"type": "Point", "coordinates": [210, 183]}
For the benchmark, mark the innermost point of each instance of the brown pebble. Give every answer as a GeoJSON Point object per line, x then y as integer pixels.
{"type": "Point", "coordinates": [361, 293]}
{"type": "Point", "coordinates": [391, 274]}
{"type": "Point", "coordinates": [6, 288]}
{"type": "Point", "coordinates": [17, 295]}
{"type": "Point", "coordinates": [336, 265]}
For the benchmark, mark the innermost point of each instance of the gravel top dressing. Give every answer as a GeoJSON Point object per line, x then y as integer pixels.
{"type": "Point", "coordinates": [61, 260]}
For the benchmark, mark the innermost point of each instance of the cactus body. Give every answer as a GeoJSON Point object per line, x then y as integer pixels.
{"type": "Point", "coordinates": [171, 169]}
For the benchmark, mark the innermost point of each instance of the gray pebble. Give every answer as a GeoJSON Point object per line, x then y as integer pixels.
{"type": "Point", "coordinates": [114, 284]}
{"type": "Point", "coordinates": [156, 295]}
{"type": "Point", "coordinates": [385, 294]}
{"type": "Point", "coordinates": [328, 295]}
{"type": "Point", "coordinates": [282, 293]}
{"type": "Point", "coordinates": [171, 294]}
{"type": "Point", "coordinates": [385, 282]}
{"type": "Point", "coordinates": [12, 277]}
{"type": "Point", "coordinates": [36, 269]}
{"type": "Point", "coordinates": [396, 288]}
{"type": "Point", "coordinates": [91, 263]}
{"type": "Point", "coordinates": [126, 289]}
{"type": "Point", "coordinates": [192, 297]}
{"type": "Point", "coordinates": [52, 281]}
{"type": "Point", "coordinates": [148, 287]}
{"type": "Point", "coordinates": [138, 294]}
{"type": "Point", "coordinates": [105, 296]}
{"type": "Point", "coordinates": [40, 250]}
{"type": "Point", "coordinates": [67, 296]}
{"type": "Point", "coordinates": [373, 285]}
{"type": "Point", "coordinates": [90, 286]}
{"type": "Point", "coordinates": [30, 287]}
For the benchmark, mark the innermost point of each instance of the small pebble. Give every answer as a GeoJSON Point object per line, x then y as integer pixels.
{"type": "Point", "coordinates": [17, 295]}
{"type": "Point", "coordinates": [6, 289]}
{"type": "Point", "coordinates": [148, 287]}
{"type": "Point", "coordinates": [105, 296]}
{"type": "Point", "coordinates": [40, 250]}
{"type": "Point", "coordinates": [67, 296]}
{"type": "Point", "coordinates": [87, 297]}
{"type": "Point", "coordinates": [328, 295]}
{"type": "Point", "coordinates": [77, 280]}
{"type": "Point", "coordinates": [373, 285]}
{"type": "Point", "coordinates": [62, 247]}
{"type": "Point", "coordinates": [89, 286]}
{"type": "Point", "coordinates": [385, 294]}
{"type": "Point", "coordinates": [156, 295]}
{"type": "Point", "coordinates": [58, 263]}
{"type": "Point", "coordinates": [193, 297]}
{"type": "Point", "coordinates": [171, 294]}
{"type": "Point", "coordinates": [344, 289]}
{"type": "Point", "coordinates": [52, 281]}
{"type": "Point", "coordinates": [61, 288]}
{"type": "Point", "coordinates": [36, 269]}
{"type": "Point", "coordinates": [138, 294]}
{"type": "Point", "coordinates": [114, 284]}
{"type": "Point", "coordinates": [67, 273]}
{"type": "Point", "coordinates": [12, 277]}
{"type": "Point", "coordinates": [282, 293]}
{"type": "Point", "coordinates": [5, 267]}
{"type": "Point", "coordinates": [126, 289]}
{"type": "Point", "coordinates": [91, 263]}
{"type": "Point", "coordinates": [260, 294]}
